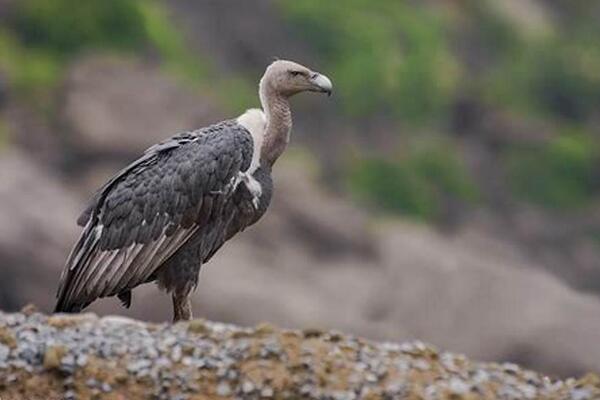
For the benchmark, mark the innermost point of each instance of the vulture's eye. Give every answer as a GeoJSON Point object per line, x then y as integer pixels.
{"type": "Point", "coordinates": [295, 73]}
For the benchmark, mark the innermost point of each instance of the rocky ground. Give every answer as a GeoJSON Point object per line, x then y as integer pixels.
{"type": "Point", "coordinates": [86, 357]}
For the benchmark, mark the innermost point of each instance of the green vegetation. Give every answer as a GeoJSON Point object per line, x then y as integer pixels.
{"type": "Point", "coordinates": [392, 187]}
{"type": "Point", "coordinates": [406, 60]}
{"type": "Point", "coordinates": [170, 43]}
{"type": "Point", "coordinates": [65, 27]}
{"type": "Point", "coordinates": [415, 184]}
{"type": "Point", "coordinates": [552, 74]}
{"type": "Point", "coordinates": [29, 70]}
{"type": "Point", "coordinates": [561, 174]}
{"type": "Point", "coordinates": [3, 134]}
{"type": "Point", "coordinates": [553, 78]}
{"type": "Point", "coordinates": [391, 50]}
{"type": "Point", "coordinates": [177, 58]}
{"type": "Point", "coordinates": [43, 36]}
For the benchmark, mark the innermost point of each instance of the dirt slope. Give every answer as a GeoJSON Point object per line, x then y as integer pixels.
{"type": "Point", "coordinates": [85, 357]}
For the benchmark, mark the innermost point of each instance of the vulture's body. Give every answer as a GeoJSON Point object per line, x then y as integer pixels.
{"type": "Point", "coordinates": [167, 213]}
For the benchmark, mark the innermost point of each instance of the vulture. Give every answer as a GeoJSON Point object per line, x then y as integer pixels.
{"type": "Point", "coordinates": [168, 212]}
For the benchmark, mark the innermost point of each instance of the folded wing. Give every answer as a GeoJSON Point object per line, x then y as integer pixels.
{"type": "Point", "coordinates": [151, 208]}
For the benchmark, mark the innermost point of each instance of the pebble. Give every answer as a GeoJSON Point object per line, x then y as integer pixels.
{"type": "Point", "coordinates": [91, 383]}
{"type": "Point", "coordinates": [4, 353]}
{"type": "Point", "coordinates": [421, 364]}
{"type": "Point", "coordinates": [176, 353]}
{"type": "Point", "coordinates": [223, 389]}
{"type": "Point", "coordinates": [82, 360]}
{"type": "Point", "coordinates": [458, 386]}
{"type": "Point", "coordinates": [581, 394]}
{"type": "Point", "coordinates": [139, 365]}
{"type": "Point", "coordinates": [68, 364]}
{"type": "Point", "coordinates": [247, 387]}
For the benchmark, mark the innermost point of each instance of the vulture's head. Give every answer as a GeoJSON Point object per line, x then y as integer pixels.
{"type": "Point", "coordinates": [288, 78]}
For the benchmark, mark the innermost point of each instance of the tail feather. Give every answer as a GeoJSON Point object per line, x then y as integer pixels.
{"type": "Point", "coordinates": [75, 262]}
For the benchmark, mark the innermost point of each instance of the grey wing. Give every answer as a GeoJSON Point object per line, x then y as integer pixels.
{"type": "Point", "coordinates": [148, 157]}
{"type": "Point", "coordinates": [149, 210]}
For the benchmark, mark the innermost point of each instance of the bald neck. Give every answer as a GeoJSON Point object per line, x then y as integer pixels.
{"type": "Point", "coordinates": [279, 123]}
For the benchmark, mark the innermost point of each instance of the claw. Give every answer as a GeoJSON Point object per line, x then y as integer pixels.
{"type": "Point", "coordinates": [231, 186]}
{"type": "Point", "coordinates": [253, 187]}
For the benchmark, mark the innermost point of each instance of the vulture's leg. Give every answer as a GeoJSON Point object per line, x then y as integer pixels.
{"type": "Point", "coordinates": [182, 306]}
{"type": "Point", "coordinates": [179, 276]}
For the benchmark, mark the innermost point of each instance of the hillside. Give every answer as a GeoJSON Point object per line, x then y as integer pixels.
{"type": "Point", "coordinates": [85, 357]}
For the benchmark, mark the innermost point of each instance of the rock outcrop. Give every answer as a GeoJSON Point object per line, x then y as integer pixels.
{"type": "Point", "coordinates": [86, 357]}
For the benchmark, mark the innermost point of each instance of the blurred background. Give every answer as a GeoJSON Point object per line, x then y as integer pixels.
{"type": "Point", "coordinates": [447, 192]}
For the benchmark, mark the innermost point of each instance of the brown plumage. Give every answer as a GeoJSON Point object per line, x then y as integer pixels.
{"type": "Point", "coordinates": [168, 212]}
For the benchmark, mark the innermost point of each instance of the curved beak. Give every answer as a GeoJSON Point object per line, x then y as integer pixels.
{"type": "Point", "coordinates": [321, 83]}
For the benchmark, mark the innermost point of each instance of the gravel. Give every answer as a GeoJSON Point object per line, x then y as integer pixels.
{"type": "Point", "coordinates": [86, 357]}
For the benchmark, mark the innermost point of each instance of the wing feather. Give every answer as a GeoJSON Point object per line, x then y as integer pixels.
{"type": "Point", "coordinates": [143, 215]}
